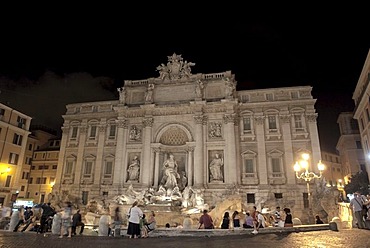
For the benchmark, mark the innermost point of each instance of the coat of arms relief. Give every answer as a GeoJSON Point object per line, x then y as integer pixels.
{"type": "Point", "coordinates": [176, 68]}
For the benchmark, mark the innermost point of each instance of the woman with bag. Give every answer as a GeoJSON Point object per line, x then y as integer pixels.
{"type": "Point", "coordinates": [151, 223]}
{"type": "Point", "coordinates": [134, 215]}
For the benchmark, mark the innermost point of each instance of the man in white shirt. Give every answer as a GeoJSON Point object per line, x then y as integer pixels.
{"type": "Point", "coordinates": [356, 205]}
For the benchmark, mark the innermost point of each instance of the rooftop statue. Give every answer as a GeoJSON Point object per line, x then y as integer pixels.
{"type": "Point", "coordinates": [176, 68]}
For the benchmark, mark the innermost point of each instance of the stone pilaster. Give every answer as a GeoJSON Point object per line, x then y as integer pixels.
{"type": "Point", "coordinates": [199, 166]}
{"type": "Point", "coordinates": [230, 169]}
{"type": "Point", "coordinates": [119, 174]}
{"type": "Point", "coordinates": [288, 148]}
{"type": "Point", "coordinates": [261, 149]}
{"type": "Point", "coordinates": [80, 154]}
{"type": "Point", "coordinates": [147, 165]}
{"type": "Point", "coordinates": [99, 163]}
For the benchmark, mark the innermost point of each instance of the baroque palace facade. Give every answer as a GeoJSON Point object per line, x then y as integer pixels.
{"type": "Point", "coordinates": [222, 140]}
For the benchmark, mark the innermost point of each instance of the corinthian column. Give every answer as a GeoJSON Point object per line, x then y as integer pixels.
{"type": "Point", "coordinates": [147, 168]}
{"type": "Point", "coordinates": [99, 163]}
{"type": "Point", "coordinates": [288, 148]}
{"type": "Point", "coordinates": [314, 137]}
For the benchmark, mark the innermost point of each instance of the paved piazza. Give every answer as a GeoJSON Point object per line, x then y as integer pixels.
{"type": "Point", "coordinates": [345, 238]}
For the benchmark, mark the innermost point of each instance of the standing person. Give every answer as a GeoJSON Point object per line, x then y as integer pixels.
{"type": "Point", "coordinates": [21, 218]}
{"type": "Point", "coordinates": [236, 219]}
{"type": "Point", "coordinates": [66, 220]}
{"type": "Point", "coordinates": [277, 216]}
{"type": "Point", "coordinates": [47, 212]}
{"type": "Point", "coordinates": [77, 221]}
{"type": "Point", "coordinates": [117, 222]}
{"type": "Point", "coordinates": [134, 216]}
{"type": "Point", "coordinates": [206, 220]}
{"type": "Point", "coordinates": [288, 222]}
{"type": "Point", "coordinates": [226, 221]}
{"type": "Point", "coordinates": [356, 204]}
{"type": "Point", "coordinates": [143, 230]}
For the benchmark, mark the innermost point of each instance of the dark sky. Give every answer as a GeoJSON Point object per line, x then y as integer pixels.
{"type": "Point", "coordinates": [50, 59]}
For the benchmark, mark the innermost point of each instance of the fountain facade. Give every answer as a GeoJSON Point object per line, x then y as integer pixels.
{"type": "Point", "coordinates": [183, 142]}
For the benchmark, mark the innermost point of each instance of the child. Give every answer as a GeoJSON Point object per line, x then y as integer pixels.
{"type": "Point", "coordinates": [143, 230]}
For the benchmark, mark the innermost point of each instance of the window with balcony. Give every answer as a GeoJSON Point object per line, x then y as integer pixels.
{"type": "Point", "coordinates": [13, 158]}
{"type": "Point", "coordinates": [247, 124]}
{"type": "Point", "coordinates": [17, 139]}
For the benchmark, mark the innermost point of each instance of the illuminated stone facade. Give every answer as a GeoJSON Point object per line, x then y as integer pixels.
{"type": "Point", "coordinates": [257, 135]}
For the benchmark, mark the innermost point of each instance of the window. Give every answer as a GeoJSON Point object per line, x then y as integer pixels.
{"type": "Point", "coordinates": [354, 124]}
{"type": "Point", "coordinates": [92, 132]}
{"type": "Point", "coordinates": [30, 181]}
{"type": "Point", "coordinates": [358, 144]}
{"type": "Point", "coordinates": [33, 167]}
{"type": "Point", "coordinates": [294, 95]}
{"type": "Point", "coordinates": [69, 167]}
{"type": "Point", "coordinates": [8, 179]}
{"type": "Point", "coordinates": [275, 164]}
{"type": "Point", "coordinates": [13, 158]}
{"type": "Point", "coordinates": [368, 114]}
{"type": "Point", "coordinates": [305, 200]}
{"type": "Point", "coordinates": [272, 122]}
{"type": "Point", "coordinates": [269, 97]}
{"type": "Point", "coordinates": [2, 112]}
{"type": "Point", "coordinates": [247, 127]}
{"type": "Point", "coordinates": [112, 131]}
{"type": "Point", "coordinates": [28, 160]}
{"type": "Point", "coordinates": [108, 169]}
{"type": "Point", "coordinates": [298, 121]}
{"type": "Point", "coordinates": [21, 122]}
{"type": "Point", "coordinates": [105, 193]}
{"type": "Point", "coordinates": [52, 179]}
{"type": "Point", "coordinates": [25, 175]}
{"type": "Point", "coordinates": [251, 198]}
{"type": "Point", "coordinates": [57, 143]}
{"type": "Point", "coordinates": [17, 139]}
{"type": "Point", "coordinates": [30, 147]}
{"type": "Point", "coordinates": [74, 132]}
{"type": "Point", "coordinates": [249, 167]}
{"type": "Point", "coordinates": [85, 196]}
{"type": "Point", "coordinates": [278, 195]}
{"type": "Point", "coordinates": [55, 167]}
{"type": "Point", "coordinates": [22, 188]}
{"type": "Point", "coordinates": [88, 168]}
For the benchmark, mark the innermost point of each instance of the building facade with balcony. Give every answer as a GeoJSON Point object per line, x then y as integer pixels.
{"type": "Point", "coordinates": [361, 97]}
{"type": "Point", "coordinates": [223, 140]}
{"type": "Point", "coordinates": [349, 146]}
{"type": "Point", "coordinates": [14, 131]}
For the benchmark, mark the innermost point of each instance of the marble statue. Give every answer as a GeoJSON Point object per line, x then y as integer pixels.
{"type": "Point", "coordinates": [134, 170]}
{"type": "Point", "coordinates": [149, 93]}
{"type": "Point", "coordinates": [122, 95]}
{"type": "Point", "coordinates": [170, 174]}
{"type": "Point", "coordinates": [230, 87]}
{"type": "Point", "coordinates": [199, 89]}
{"type": "Point", "coordinates": [175, 69]}
{"type": "Point", "coordinates": [215, 167]}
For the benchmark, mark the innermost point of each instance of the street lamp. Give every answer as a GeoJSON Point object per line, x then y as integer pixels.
{"type": "Point", "coordinates": [307, 175]}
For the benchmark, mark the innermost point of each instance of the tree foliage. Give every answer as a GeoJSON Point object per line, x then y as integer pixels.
{"type": "Point", "coordinates": [359, 182]}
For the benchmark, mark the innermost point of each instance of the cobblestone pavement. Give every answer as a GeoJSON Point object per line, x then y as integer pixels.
{"type": "Point", "coordinates": [345, 238]}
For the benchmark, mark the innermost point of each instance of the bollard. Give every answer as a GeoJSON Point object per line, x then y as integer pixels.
{"type": "Point", "coordinates": [333, 226]}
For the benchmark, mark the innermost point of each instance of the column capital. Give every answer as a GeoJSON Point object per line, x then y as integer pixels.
{"type": "Point", "coordinates": [200, 119]}
{"type": "Point", "coordinates": [229, 118]}
{"type": "Point", "coordinates": [285, 118]}
{"type": "Point", "coordinates": [259, 120]}
{"type": "Point", "coordinates": [311, 117]}
{"type": "Point", "coordinates": [122, 123]}
{"type": "Point", "coordinates": [148, 122]}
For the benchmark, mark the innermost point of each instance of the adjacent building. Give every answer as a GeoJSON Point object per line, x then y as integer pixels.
{"type": "Point", "coordinates": [362, 110]}
{"type": "Point", "coordinates": [14, 130]}
{"type": "Point", "coordinates": [182, 129]}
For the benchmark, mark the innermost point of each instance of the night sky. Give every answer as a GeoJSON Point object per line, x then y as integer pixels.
{"type": "Point", "coordinates": [54, 58]}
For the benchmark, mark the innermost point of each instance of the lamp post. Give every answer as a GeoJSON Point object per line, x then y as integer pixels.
{"type": "Point", "coordinates": [307, 175]}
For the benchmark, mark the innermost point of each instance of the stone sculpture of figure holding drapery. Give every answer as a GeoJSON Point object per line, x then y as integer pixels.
{"type": "Point", "coordinates": [134, 169]}
{"type": "Point", "coordinates": [215, 168]}
{"type": "Point", "coordinates": [170, 174]}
